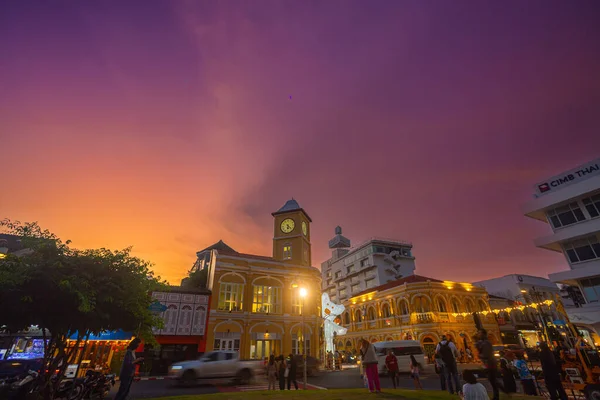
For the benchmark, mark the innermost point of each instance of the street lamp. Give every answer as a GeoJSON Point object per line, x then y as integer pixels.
{"type": "Point", "coordinates": [303, 292]}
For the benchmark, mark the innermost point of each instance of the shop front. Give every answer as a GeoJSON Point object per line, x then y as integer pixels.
{"type": "Point", "coordinates": [23, 345]}
{"type": "Point", "coordinates": [103, 352]}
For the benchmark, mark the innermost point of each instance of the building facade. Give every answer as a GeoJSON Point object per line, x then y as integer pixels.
{"type": "Point", "coordinates": [418, 308]}
{"type": "Point", "coordinates": [517, 325]}
{"type": "Point", "coordinates": [570, 203]}
{"type": "Point", "coordinates": [257, 307]}
{"type": "Point", "coordinates": [351, 270]}
{"type": "Point", "coordinates": [183, 335]}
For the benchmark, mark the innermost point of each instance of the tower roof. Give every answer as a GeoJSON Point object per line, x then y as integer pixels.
{"type": "Point", "coordinates": [291, 205]}
{"type": "Point", "coordinates": [339, 241]}
{"type": "Point", "coordinates": [220, 246]}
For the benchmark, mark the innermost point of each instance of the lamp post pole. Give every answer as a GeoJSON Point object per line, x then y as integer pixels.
{"type": "Point", "coordinates": [304, 342]}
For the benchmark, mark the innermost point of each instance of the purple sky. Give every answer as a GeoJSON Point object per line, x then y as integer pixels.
{"type": "Point", "coordinates": [168, 125]}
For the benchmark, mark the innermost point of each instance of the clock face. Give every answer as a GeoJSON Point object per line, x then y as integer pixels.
{"type": "Point", "coordinates": [304, 228]}
{"type": "Point", "coordinates": [287, 225]}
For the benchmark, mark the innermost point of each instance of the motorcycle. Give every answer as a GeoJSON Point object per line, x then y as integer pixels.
{"type": "Point", "coordinates": [95, 386]}
{"type": "Point", "coordinates": [70, 389]}
{"type": "Point", "coordinates": [22, 388]}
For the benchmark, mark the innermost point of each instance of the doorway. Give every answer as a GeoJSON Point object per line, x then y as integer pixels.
{"type": "Point", "coordinates": [262, 348]}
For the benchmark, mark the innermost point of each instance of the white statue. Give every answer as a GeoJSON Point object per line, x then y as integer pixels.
{"type": "Point", "coordinates": [330, 311]}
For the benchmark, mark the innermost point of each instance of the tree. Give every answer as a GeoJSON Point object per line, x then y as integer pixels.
{"type": "Point", "coordinates": [69, 292]}
{"type": "Point", "coordinates": [196, 279]}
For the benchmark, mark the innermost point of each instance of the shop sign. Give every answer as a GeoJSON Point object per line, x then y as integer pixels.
{"type": "Point", "coordinates": [577, 174]}
{"type": "Point", "coordinates": [107, 335]}
{"type": "Point", "coordinates": [157, 307]}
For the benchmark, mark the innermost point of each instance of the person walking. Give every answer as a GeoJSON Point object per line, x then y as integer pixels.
{"type": "Point", "coordinates": [391, 362]}
{"type": "Point", "coordinates": [508, 378]}
{"type": "Point", "coordinates": [292, 369]}
{"type": "Point", "coordinates": [414, 372]}
{"type": "Point", "coordinates": [525, 376]}
{"type": "Point", "coordinates": [486, 354]}
{"type": "Point", "coordinates": [448, 353]}
{"type": "Point", "coordinates": [473, 390]}
{"type": "Point", "coordinates": [128, 369]}
{"type": "Point", "coordinates": [439, 369]}
{"type": "Point", "coordinates": [282, 366]}
{"type": "Point", "coordinates": [369, 360]}
{"type": "Point", "coordinates": [552, 377]}
{"type": "Point", "coordinates": [271, 372]}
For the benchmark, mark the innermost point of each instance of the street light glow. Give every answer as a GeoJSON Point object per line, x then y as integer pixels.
{"type": "Point", "coordinates": [303, 292]}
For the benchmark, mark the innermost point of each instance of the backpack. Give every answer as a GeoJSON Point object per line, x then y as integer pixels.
{"type": "Point", "coordinates": [446, 353]}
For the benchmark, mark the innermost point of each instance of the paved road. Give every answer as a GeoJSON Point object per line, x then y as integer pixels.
{"type": "Point", "coordinates": [346, 379]}
{"type": "Point", "coordinates": [162, 388]}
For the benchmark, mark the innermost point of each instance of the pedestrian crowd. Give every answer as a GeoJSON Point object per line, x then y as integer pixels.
{"type": "Point", "coordinates": [281, 370]}
{"type": "Point", "coordinates": [500, 373]}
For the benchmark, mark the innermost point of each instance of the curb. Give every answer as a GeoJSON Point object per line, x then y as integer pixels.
{"type": "Point", "coordinates": [149, 378]}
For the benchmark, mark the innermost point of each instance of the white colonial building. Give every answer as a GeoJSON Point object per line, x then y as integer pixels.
{"type": "Point", "coordinates": [570, 203]}
{"type": "Point", "coordinates": [376, 261]}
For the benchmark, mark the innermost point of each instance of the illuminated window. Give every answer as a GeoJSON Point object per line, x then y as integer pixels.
{"type": "Point", "coordinates": [355, 288]}
{"type": "Point", "coordinates": [287, 252]}
{"type": "Point", "coordinates": [351, 269]}
{"type": "Point", "coordinates": [297, 301]}
{"type": "Point", "coordinates": [421, 304]}
{"type": "Point", "coordinates": [346, 318]}
{"type": "Point", "coordinates": [266, 299]}
{"type": "Point", "coordinates": [385, 310]}
{"type": "Point", "coordinates": [403, 307]}
{"type": "Point", "coordinates": [441, 305]}
{"type": "Point", "coordinates": [358, 317]}
{"type": "Point", "coordinates": [230, 296]}
{"type": "Point", "coordinates": [298, 343]}
{"type": "Point", "coordinates": [482, 305]}
{"type": "Point", "coordinates": [343, 293]}
{"type": "Point", "coordinates": [455, 306]}
{"type": "Point", "coordinates": [469, 306]}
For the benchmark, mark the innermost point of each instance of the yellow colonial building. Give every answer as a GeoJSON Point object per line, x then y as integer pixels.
{"type": "Point", "coordinates": [257, 305]}
{"type": "Point", "coordinates": [418, 308]}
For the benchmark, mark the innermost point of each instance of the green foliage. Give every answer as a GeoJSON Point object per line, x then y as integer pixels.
{"type": "Point", "coordinates": [196, 279]}
{"type": "Point", "coordinates": [66, 290]}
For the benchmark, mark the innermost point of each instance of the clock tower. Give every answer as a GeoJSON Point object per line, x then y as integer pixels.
{"type": "Point", "coordinates": [291, 234]}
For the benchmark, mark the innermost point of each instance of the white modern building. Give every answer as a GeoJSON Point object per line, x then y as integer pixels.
{"type": "Point", "coordinates": [376, 261]}
{"type": "Point", "coordinates": [570, 203]}
{"type": "Point", "coordinates": [516, 287]}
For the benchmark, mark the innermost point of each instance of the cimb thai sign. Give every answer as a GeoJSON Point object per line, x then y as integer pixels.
{"type": "Point", "coordinates": [575, 175]}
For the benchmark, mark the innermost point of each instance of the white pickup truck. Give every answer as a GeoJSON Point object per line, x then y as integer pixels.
{"type": "Point", "coordinates": [216, 366]}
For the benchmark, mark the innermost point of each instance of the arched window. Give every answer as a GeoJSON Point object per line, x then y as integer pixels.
{"type": "Point", "coordinates": [441, 305]}
{"type": "Point", "coordinates": [348, 345]}
{"type": "Point", "coordinates": [231, 293]}
{"type": "Point", "coordinates": [199, 322]}
{"type": "Point", "coordinates": [371, 314]}
{"type": "Point", "coordinates": [358, 317]}
{"type": "Point", "coordinates": [421, 304]}
{"type": "Point", "coordinates": [403, 307]}
{"type": "Point", "coordinates": [482, 306]}
{"type": "Point", "coordinates": [346, 318]}
{"type": "Point", "coordinates": [385, 311]}
{"type": "Point", "coordinates": [266, 296]}
{"type": "Point", "coordinates": [287, 251]}
{"type": "Point", "coordinates": [455, 305]}
{"type": "Point", "coordinates": [469, 306]}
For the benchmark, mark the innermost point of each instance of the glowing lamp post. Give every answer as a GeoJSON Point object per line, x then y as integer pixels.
{"type": "Point", "coordinates": [303, 293]}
